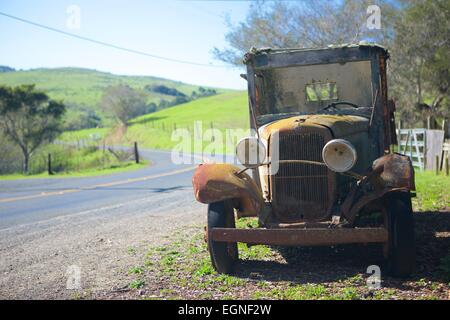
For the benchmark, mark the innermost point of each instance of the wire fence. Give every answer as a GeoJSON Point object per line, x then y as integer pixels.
{"type": "Point", "coordinates": [69, 157]}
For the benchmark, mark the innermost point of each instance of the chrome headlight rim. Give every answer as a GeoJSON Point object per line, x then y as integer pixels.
{"type": "Point", "coordinates": [255, 149]}
{"type": "Point", "coordinates": [341, 147]}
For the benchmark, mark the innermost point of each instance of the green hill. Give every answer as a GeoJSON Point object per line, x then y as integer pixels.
{"type": "Point", "coordinates": [81, 89]}
{"type": "Point", "coordinates": [223, 111]}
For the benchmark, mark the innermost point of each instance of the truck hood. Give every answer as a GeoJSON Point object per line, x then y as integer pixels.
{"type": "Point", "coordinates": [339, 125]}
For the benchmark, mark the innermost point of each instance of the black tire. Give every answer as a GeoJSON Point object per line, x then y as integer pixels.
{"type": "Point", "coordinates": [223, 255]}
{"type": "Point", "coordinates": [401, 247]}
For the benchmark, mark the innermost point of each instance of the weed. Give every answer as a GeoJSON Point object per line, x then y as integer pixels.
{"type": "Point", "coordinates": [204, 269]}
{"type": "Point", "coordinates": [136, 270]}
{"type": "Point", "coordinates": [350, 294]}
{"type": "Point", "coordinates": [137, 284]}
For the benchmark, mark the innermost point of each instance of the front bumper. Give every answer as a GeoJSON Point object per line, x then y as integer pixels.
{"type": "Point", "coordinates": [301, 237]}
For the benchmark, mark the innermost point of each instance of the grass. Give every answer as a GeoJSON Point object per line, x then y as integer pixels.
{"type": "Point", "coordinates": [131, 251]}
{"type": "Point", "coordinates": [137, 284]}
{"type": "Point", "coordinates": [70, 162]}
{"type": "Point", "coordinates": [432, 191]}
{"type": "Point", "coordinates": [124, 167]}
{"type": "Point", "coordinates": [155, 130]}
{"type": "Point", "coordinates": [136, 270]}
{"type": "Point", "coordinates": [89, 135]}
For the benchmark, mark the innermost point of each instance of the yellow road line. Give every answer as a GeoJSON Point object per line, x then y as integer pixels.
{"type": "Point", "coordinates": [110, 184]}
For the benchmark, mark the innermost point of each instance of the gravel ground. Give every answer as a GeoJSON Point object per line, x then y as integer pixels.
{"type": "Point", "coordinates": [41, 260]}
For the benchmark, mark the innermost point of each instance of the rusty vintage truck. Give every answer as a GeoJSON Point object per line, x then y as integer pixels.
{"type": "Point", "coordinates": [322, 170]}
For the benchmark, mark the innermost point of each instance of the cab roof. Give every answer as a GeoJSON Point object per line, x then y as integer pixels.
{"type": "Point", "coordinates": [271, 57]}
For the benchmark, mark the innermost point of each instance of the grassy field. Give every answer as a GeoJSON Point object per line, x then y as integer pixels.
{"type": "Point", "coordinates": [221, 112]}
{"type": "Point", "coordinates": [83, 88]}
{"type": "Point", "coordinates": [181, 269]}
{"type": "Point", "coordinates": [433, 192]}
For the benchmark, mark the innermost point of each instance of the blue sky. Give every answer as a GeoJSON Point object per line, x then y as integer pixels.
{"type": "Point", "coordinates": [185, 30]}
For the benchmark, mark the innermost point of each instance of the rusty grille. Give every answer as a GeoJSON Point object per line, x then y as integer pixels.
{"type": "Point", "coordinates": [301, 191]}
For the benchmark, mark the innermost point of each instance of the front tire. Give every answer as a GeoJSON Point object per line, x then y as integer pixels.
{"type": "Point", "coordinates": [400, 224]}
{"type": "Point", "coordinates": [223, 254]}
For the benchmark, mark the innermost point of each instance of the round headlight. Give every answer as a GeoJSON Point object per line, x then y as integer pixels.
{"type": "Point", "coordinates": [250, 151]}
{"type": "Point", "coordinates": [339, 155]}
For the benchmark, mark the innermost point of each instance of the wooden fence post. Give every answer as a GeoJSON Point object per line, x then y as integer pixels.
{"type": "Point", "coordinates": [49, 164]}
{"type": "Point", "coordinates": [447, 169]}
{"type": "Point", "coordinates": [136, 152]}
{"type": "Point", "coordinates": [437, 165]}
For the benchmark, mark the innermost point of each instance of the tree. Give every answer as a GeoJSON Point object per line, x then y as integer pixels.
{"type": "Point", "coordinates": [123, 102]}
{"type": "Point", "coordinates": [6, 69]}
{"type": "Point", "coordinates": [81, 117]}
{"type": "Point", "coordinates": [9, 155]}
{"type": "Point", "coordinates": [304, 24]}
{"type": "Point", "coordinates": [164, 90]}
{"type": "Point", "coordinates": [29, 118]}
{"type": "Point", "coordinates": [420, 63]}
{"type": "Point", "coordinates": [416, 32]}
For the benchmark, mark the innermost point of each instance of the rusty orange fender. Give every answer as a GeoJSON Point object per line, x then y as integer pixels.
{"type": "Point", "coordinates": [219, 182]}
{"type": "Point", "coordinates": [389, 173]}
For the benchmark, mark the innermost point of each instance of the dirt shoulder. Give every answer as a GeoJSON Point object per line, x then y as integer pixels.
{"type": "Point", "coordinates": [90, 250]}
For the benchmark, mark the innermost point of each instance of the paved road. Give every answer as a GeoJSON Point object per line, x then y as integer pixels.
{"type": "Point", "coordinates": [50, 225]}
{"type": "Point", "coordinates": [32, 200]}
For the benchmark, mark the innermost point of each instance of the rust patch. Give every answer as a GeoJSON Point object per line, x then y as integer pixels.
{"type": "Point", "coordinates": [340, 125]}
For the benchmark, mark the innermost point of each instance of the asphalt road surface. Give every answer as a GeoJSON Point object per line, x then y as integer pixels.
{"type": "Point", "coordinates": [63, 236]}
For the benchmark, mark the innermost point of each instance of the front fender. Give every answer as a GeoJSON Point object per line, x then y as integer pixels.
{"type": "Point", "coordinates": [389, 173]}
{"type": "Point", "coordinates": [219, 182]}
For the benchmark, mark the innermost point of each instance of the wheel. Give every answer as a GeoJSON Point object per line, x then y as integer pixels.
{"type": "Point", "coordinates": [223, 254]}
{"type": "Point", "coordinates": [400, 224]}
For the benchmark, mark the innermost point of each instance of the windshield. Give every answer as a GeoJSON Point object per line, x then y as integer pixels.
{"type": "Point", "coordinates": [310, 89]}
